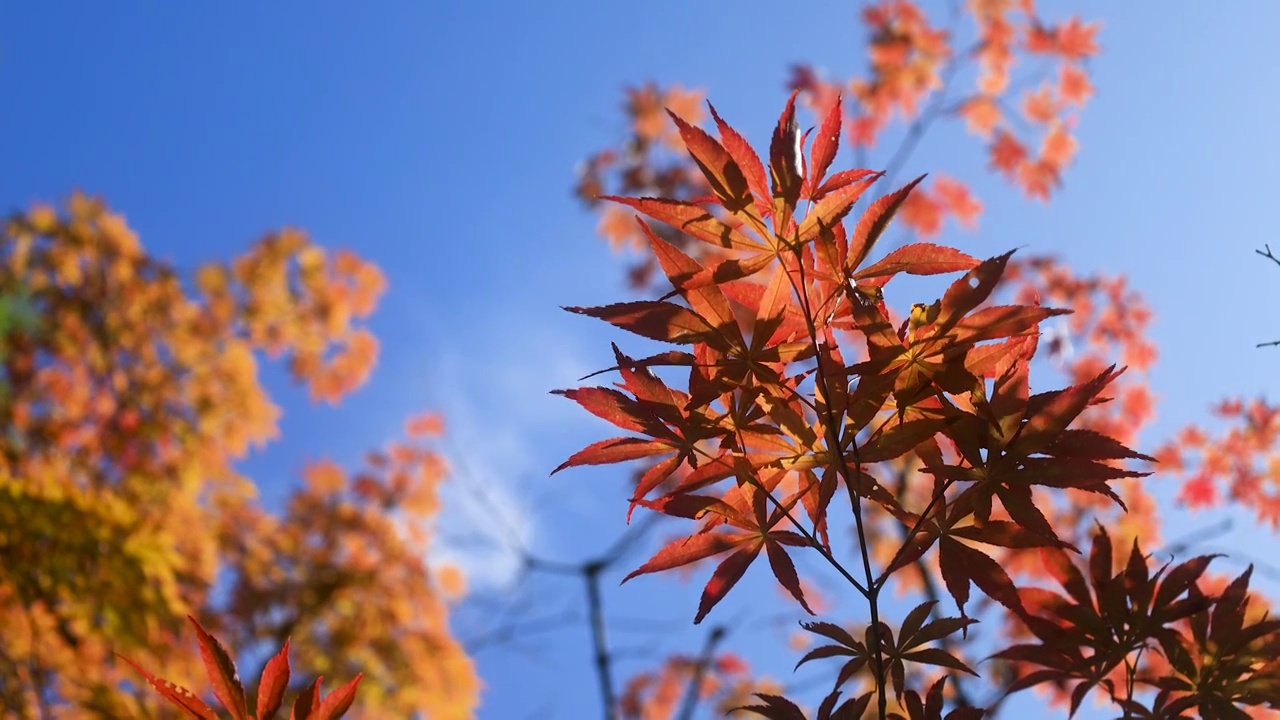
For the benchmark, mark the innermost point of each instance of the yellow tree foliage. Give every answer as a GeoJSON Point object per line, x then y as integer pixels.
{"type": "Point", "coordinates": [127, 397]}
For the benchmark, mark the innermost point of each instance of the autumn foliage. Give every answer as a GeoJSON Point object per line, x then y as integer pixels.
{"type": "Point", "coordinates": [837, 391]}
{"type": "Point", "coordinates": [221, 668]}
{"type": "Point", "coordinates": [923, 69]}
{"type": "Point", "coordinates": [796, 395]}
{"type": "Point", "coordinates": [130, 392]}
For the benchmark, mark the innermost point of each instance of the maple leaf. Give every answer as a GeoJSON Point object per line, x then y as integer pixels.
{"type": "Point", "coordinates": [931, 705]}
{"type": "Point", "coordinates": [1224, 662]}
{"type": "Point", "coordinates": [662, 413]}
{"type": "Point", "coordinates": [1116, 614]}
{"type": "Point", "coordinates": [1073, 85]}
{"type": "Point", "coordinates": [1059, 147]}
{"type": "Point", "coordinates": [747, 161]}
{"type": "Point", "coordinates": [1007, 154]}
{"type": "Point", "coordinates": [694, 220]}
{"type": "Point", "coordinates": [750, 531]}
{"type": "Point", "coordinates": [271, 687]}
{"type": "Point", "coordinates": [786, 169]}
{"type": "Point", "coordinates": [721, 170]}
{"type": "Point", "coordinates": [909, 647]}
{"type": "Point", "coordinates": [981, 115]}
{"type": "Point", "coordinates": [776, 707]}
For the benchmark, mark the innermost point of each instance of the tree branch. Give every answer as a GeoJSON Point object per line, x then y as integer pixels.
{"type": "Point", "coordinates": [690, 702]}
{"type": "Point", "coordinates": [595, 610]}
{"type": "Point", "coordinates": [1270, 256]}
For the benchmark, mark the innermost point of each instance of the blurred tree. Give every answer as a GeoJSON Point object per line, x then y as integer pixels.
{"type": "Point", "coordinates": [130, 396]}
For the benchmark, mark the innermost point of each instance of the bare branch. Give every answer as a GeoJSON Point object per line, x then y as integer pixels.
{"type": "Point", "coordinates": [595, 608]}
{"type": "Point", "coordinates": [690, 702]}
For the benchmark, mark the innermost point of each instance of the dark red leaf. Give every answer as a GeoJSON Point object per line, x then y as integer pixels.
{"type": "Point", "coordinates": [613, 450]}
{"type": "Point", "coordinates": [1002, 533]}
{"type": "Point", "coordinates": [1090, 444]}
{"type": "Point", "coordinates": [1228, 611]}
{"type": "Point", "coordinates": [652, 478]}
{"type": "Point", "coordinates": [652, 319]}
{"type": "Point", "coordinates": [775, 707]}
{"type": "Point", "coordinates": [961, 563]}
{"type": "Point", "coordinates": [181, 697]}
{"type": "Point", "coordinates": [900, 438]}
{"type": "Point", "coordinates": [706, 300]}
{"type": "Point", "coordinates": [1060, 567]}
{"type": "Point", "coordinates": [1176, 582]}
{"type": "Point", "coordinates": [1051, 413]}
{"type": "Point", "coordinates": [784, 164]}
{"type": "Point", "coordinates": [913, 621]}
{"type": "Point", "coordinates": [842, 179]}
{"type": "Point", "coordinates": [938, 656]}
{"type": "Point", "coordinates": [832, 631]}
{"type": "Point", "coordinates": [1003, 321]}
{"type": "Point", "coordinates": [306, 702]}
{"type": "Point", "coordinates": [785, 571]}
{"type": "Point", "coordinates": [336, 704]}
{"type": "Point", "coordinates": [724, 578]}
{"type": "Point", "coordinates": [222, 673]}
{"type": "Point", "coordinates": [273, 683]}
{"type": "Point", "coordinates": [670, 358]}
{"type": "Point", "coordinates": [688, 550]}
{"type": "Point", "coordinates": [609, 404]}
{"type": "Point", "coordinates": [686, 505]}
{"type": "Point", "coordinates": [970, 291]}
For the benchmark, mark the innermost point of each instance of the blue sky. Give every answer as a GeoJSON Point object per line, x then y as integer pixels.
{"type": "Point", "coordinates": [441, 143]}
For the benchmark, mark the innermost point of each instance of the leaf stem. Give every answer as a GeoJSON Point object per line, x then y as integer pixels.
{"type": "Point", "coordinates": [813, 539]}
{"type": "Point", "coordinates": [836, 447]}
{"type": "Point", "coordinates": [906, 540]}
{"type": "Point", "coordinates": [931, 593]}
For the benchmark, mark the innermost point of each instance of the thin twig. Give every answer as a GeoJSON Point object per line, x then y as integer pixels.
{"type": "Point", "coordinates": [810, 537]}
{"type": "Point", "coordinates": [691, 693]}
{"type": "Point", "coordinates": [926, 118]}
{"type": "Point", "coordinates": [906, 540]}
{"type": "Point", "coordinates": [588, 570]}
{"type": "Point", "coordinates": [931, 589]}
{"type": "Point", "coordinates": [1195, 537]}
{"type": "Point", "coordinates": [507, 633]}
{"type": "Point", "coordinates": [835, 445]}
{"type": "Point", "coordinates": [1235, 555]}
{"type": "Point", "coordinates": [1270, 256]}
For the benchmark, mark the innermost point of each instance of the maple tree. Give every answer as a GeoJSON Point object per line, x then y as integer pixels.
{"type": "Point", "coordinates": [803, 382]}
{"type": "Point", "coordinates": [813, 388]}
{"type": "Point", "coordinates": [130, 393]}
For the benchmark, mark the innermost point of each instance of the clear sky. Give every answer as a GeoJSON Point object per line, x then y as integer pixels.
{"type": "Point", "coordinates": [439, 140]}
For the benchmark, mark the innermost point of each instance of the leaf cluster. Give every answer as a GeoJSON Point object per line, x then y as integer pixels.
{"type": "Point", "coordinates": [801, 382]}
{"type": "Point", "coordinates": [231, 694]}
